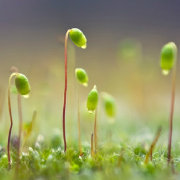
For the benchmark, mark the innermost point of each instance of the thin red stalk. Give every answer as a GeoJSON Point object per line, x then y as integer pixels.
{"type": "Point", "coordinates": [10, 129]}
{"type": "Point", "coordinates": [11, 120]}
{"type": "Point", "coordinates": [171, 113]}
{"type": "Point", "coordinates": [65, 90]}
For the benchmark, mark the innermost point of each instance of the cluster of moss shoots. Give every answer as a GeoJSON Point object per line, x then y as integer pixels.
{"type": "Point", "coordinates": [167, 63]}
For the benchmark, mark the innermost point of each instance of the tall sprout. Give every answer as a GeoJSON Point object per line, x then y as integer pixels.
{"type": "Point", "coordinates": [19, 103]}
{"type": "Point", "coordinates": [168, 63]}
{"type": "Point", "coordinates": [92, 102]}
{"type": "Point", "coordinates": [79, 39]}
{"type": "Point", "coordinates": [82, 78]}
{"type": "Point", "coordinates": [23, 88]}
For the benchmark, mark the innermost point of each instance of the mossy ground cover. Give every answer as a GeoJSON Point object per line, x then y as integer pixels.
{"type": "Point", "coordinates": [123, 159]}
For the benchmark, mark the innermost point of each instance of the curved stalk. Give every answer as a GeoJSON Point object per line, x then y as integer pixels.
{"type": "Point", "coordinates": [65, 90]}
{"type": "Point", "coordinates": [149, 153]}
{"type": "Point", "coordinates": [171, 113]}
{"type": "Point", "coordinates": [15, 70]}
{"type": "Point", "coordinates": [11, 119]}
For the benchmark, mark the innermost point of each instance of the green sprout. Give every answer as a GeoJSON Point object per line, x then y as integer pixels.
{"type": "Point", "coordinates": [79, 40]}
{"type": "Point", "coordinates": [82, 78]}
{"type": "Point", "coordinates": [109, 105]}
{"type": "Point", "coordinates": [23, 88]}
{"type": "Point", "coordinates": [92, 102]}
{"type": "Point", "coordinates": [168, 62]}
{"type": "Point", "coordinates": [168, 57]}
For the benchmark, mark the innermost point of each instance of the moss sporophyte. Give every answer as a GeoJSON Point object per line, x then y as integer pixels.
{"type": "Point", "coordinates": [168, 63]}
{"type": "Point", "coordinates": [79, 39]}
{"type": "Point", "coordinates": [92, 102]}
{"type": "Point", "coordinates": [23, 88]}
{"type": "Point", "coordinates": [82, 78]}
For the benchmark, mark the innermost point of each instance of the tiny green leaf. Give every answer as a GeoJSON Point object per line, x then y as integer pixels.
{"type": "Point", "coordinates": [109, 104]}
{"type": "Point", "coordinates": [78, 38]}
{"type": "Point", "coordinates": [92, 100]}
{"type": "Point", "coordinates": [22, 84]}
{"type": "Point", "coordinates": [168, 57]}
{"type": "Point", "coordinates": [81, 76]}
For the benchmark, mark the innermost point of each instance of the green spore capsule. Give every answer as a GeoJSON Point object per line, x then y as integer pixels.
{"type": "Point", "coordinates": [78, 38]}
{"type": "Point", "coordinates": [92, 100]}
{"type": "Point", "coordinates": [109, 105]}
{"type": "Point", "coordinates": [168, 57]}
{"type": "Point", "coordinates": [81, 76]}
{"type": "Point", "coordinates": [22, 84]}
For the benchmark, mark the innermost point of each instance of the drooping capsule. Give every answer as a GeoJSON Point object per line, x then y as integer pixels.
{"type": "Point", "coordinates": [81, 76]}
{"type": "Point", "coordinates": [109, 104]}
{"type": "Point", "coordinates": [22, 84]}
{"type": "Point", "coordinates": [92, 99]}
{"type": "Point", "coordinates": [78, 38]}
{"type": "Point", "coordinates": [168, 57]}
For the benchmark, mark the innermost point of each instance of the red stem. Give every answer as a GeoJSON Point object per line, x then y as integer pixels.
{"type": "Point", "coordinates": [11, 120]}
{"type": "Point", "coordinates": [10, 129]}
{"type": "Point", "coordinates": [171, 113]}
{"type": "Point", "coordinates": [65, 90]}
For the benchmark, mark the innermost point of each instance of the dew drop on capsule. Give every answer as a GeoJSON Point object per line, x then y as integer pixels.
{"type": "Point", "coordinates": [165, 72]}
{"type": "Point", "coordinates": [26, 96]}
{"type": "Point", "coordinates": [84, 47]}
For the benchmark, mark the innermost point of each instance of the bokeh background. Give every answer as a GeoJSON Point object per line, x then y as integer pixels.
{"type": "Point", "coordinates": [122, 58]}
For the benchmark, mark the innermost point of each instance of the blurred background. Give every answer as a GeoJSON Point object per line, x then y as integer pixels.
{"type": "Point", "coordinates": [122, 58]}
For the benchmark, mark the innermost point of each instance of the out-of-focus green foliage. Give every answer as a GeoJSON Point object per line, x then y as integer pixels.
{"type": "Point", "coordinates": [111, 162]}
{"type": "Point", "coordinates": [129, 49]}
{"type": "Point", "coordinates": [109, 104]}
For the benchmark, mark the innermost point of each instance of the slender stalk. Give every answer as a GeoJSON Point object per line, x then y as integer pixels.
{"type": "Point", "coordinates": [15, 70]}
{"type": "Point", "coordinates": [79, 129]}
{"type": "Point", "coordinates": [20, 122]}
{"type": "Point", "coordinates": [29, 130]}
{"type": "Point", "coordinates": [149, 154]}
{"type": "Point", "coordinates": [65, 90]}
{"type": "Point", "coordinates": [92, 145]}
{"type": "Point", "coordinates": [171, 113]}
{"type": "Point", "coordinates": [95, 131]}
{"type": "Point", "coordinates": [11, 119]}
